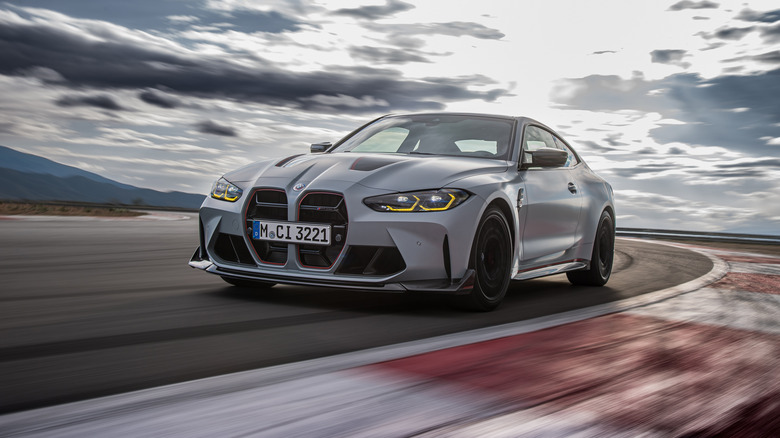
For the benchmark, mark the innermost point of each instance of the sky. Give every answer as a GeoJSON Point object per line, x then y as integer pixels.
{"type": "Point", "coordinates": [674, 102]}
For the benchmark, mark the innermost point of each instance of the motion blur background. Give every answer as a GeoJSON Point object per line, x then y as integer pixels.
{"type": "Point", "coordinates": [674, 102]}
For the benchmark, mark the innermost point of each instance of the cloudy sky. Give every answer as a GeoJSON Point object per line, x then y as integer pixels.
{"type": "Point", "coordinates": [676, 103]}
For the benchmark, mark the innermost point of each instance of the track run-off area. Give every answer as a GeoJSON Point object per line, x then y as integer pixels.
{"type": "Point", "coordinates": [92, 308]}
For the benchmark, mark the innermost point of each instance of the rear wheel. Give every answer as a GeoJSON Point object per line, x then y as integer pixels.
{"type": "Point", "coordinates": [491, 259]}
{"type": "Point", "coordinates": [248, 283]}
{"type": "Point", "coordinates": [601, 258]}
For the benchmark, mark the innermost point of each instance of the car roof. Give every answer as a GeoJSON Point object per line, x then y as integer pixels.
{"type": "Point", "coordinates": [465, 114]}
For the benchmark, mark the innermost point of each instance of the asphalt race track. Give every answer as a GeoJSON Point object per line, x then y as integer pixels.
{"type": "Point", "coordinates": [97, 307]}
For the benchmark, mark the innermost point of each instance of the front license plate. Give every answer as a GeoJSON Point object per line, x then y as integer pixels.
{"type": "Point", "coordinates": [291, 232]}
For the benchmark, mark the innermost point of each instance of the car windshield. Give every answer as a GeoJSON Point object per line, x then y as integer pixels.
{"type": "Point", "coordinates": [452, 135]}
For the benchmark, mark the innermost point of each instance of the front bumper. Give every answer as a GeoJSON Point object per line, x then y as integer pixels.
{"type": "Point", "coordinates": [394, 252]}
{"type": "Point", "coordinates": [457, 287]}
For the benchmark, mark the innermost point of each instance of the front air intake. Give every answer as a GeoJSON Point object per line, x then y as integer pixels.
{"type": "Point", "coordinates": [323, 208]}
{"type": "Point", "coordinates": [268, 204]}
{"type": "Point", "coordinates": [232, 248]}
{"type": "Point", "coordinates": [372, 260]}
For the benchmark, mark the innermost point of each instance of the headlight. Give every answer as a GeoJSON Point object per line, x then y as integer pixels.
{"type": "Point", "coordinates": [224, 190]}
{"type": "Point", "coordinates": [429, 200]}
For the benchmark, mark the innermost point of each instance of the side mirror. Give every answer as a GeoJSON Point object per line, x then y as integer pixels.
{"type": "Point", "coordinates": [318, 148]}
{"type": "Point", "coordinates": [544, 157]}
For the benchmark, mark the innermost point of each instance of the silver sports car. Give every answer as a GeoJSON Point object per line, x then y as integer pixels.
{"type": "Point", "coordinates": [446, 203]}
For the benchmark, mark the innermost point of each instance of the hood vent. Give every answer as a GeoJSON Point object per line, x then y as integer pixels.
{"type": "Point", "coordinates": [367, 164]}
{"type": "Point", "coordinates": [286, 160]}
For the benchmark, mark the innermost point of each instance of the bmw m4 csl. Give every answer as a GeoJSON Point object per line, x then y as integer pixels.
{"type": "Point", "coordinates": [459, 204]}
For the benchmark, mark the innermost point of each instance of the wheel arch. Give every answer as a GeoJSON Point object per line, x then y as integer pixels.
{"type": "Point", "coordinates": [506, 210]}
{"type": "Point", "coordinates": [609, 209]}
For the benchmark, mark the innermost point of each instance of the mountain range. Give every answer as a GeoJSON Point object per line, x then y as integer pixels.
{"type": "Point", "coordinates": [29, 177]}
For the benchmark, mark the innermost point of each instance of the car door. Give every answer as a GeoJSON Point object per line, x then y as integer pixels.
{"type": "Point", "coordinates": [553, 201]}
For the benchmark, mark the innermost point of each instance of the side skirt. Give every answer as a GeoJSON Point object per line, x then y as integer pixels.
{"type": "Point", "coordinates": [557, 268]}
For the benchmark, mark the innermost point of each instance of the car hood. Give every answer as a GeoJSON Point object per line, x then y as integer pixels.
{"type": "Point", "coordinates": [380, 171]}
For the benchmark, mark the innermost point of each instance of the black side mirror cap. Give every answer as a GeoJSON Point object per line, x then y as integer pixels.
{"type": "Point", "coordinates": [544, 157]}
{"type": "Point", "coordinates": [318, 148]}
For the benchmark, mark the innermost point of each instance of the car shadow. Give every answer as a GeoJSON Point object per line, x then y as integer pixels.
{"type": "Point", "coordinates": [525, 299]}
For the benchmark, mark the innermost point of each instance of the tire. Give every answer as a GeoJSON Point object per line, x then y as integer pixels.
{"type": "Point", "coordinates": [248, 283]}
{"type": "Point", "coordinates": [491, 259]}
{"type": "Point", "coordinates": [601, 258]}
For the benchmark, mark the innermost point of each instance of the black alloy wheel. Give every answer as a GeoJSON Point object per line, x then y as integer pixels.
{"type": "Point", "coordinates": [601, 258]}
{"type": "Point", "coordinates": [491, 259]}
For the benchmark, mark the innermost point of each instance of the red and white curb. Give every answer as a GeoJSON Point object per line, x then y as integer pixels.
{"type": "Point", "coordinates": [699, 359]}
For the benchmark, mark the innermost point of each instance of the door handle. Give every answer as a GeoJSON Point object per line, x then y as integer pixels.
{"type": "Point", "coordinates": [572, 187]}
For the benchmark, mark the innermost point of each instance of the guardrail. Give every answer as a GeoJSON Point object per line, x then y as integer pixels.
{"type": "Point", "coordinates": [698, 235]}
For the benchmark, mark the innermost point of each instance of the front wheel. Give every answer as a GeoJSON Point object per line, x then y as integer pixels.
{"type": "Point", "coordinates": [491, 259]}
{"type": "Point", "coordinates": [601, 258]}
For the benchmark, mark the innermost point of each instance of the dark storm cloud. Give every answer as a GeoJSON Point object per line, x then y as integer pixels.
{"type": "Point", "coordinates": [734, 111]}
{"type": "Point", "coordinates": [667, 56]}
{"type": "Point", "coordinates": [102, 101]}
{"type": "Point", "coordinates": [760, 17]}
{"type": "Point", "coordinates": [609, 93]}
{"type": "Point", "coordinates": [772, 32]}
{"type": "Point", "coordinates": [403, 41]}
{"type": "Point", "coordinates": [7, 128]}
{"type": "Point", "coordinates": [645, 169]}
{"type": "Point", "coordinates": [214, 128]}
{"type": "Point", "coordinates": [771, 163]}
{"type": "Point", "coordinates": [115, 62]}
{"type": "Point", "coordinates": [596, 147]}
{"type": "Point", "coordinates": [726, 174]}
{"type": "Point", "coordinates": [731, 33]}
{"type": "Point", "coordinates": [772, 57]}
{"type": "Point", "coordinates": [154, 97]}
{"type": "Point", "coordinates": [389, 9]}
{"type": "Point", "coordinates": [139, 14]}
{"type": "Point", "coordinates": [385, 55]}
{"type": "Point", "coordinates": [404, 35]}
{"type": "Point", "coordinates": [154, 14]}
{"type": "Point", "coordinates": [254, 21]}
{"type": "Point", "coordinates": [612, 140]}
{"type": "Point", "coordinates": [452, 28]}
{"type": "Point", "coordinates": [688, 4]}
{"type": "Point", "coordinates": [766, 28]}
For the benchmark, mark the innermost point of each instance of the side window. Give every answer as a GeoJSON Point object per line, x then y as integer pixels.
{"type": "Point", "coordinates": [536, 138]}
{"type": "Point", "coordinates": [572, 161]}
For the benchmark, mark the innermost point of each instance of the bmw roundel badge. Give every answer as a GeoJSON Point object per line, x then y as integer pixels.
{"type": "Point", "coordinates": [298, 187]}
